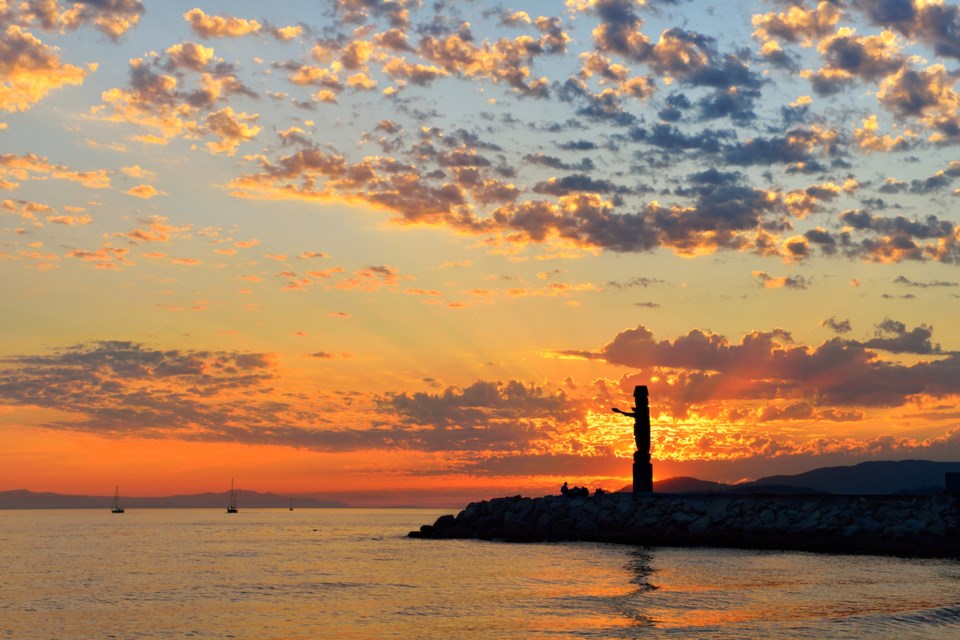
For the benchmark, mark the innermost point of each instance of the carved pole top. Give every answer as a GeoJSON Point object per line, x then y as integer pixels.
{"type": "Point", "coordinates": [640, 391]}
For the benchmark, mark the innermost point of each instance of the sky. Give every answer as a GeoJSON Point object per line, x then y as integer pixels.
{"type": "Point", "coordinates": [407, 252]}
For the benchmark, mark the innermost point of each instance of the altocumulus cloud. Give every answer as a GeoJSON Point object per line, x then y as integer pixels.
{"type": "Point", "coordinates": [129, 388]}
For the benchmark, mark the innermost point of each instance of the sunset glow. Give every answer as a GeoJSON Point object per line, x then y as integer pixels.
{"type": "Point", "coordinates": [406, 251]}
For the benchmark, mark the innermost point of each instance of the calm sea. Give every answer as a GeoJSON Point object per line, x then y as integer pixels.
{"type": "Point", "coordinates": [352, 573]}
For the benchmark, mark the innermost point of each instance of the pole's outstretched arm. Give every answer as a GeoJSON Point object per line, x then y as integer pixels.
{"type": "Point", "coordinates": [623, 413]}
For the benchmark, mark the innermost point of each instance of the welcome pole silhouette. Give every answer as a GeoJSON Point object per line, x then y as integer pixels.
{"type": "Point", "coordinates": [642, 468]}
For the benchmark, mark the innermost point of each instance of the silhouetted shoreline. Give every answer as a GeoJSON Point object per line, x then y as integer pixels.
{"type": "Point", "coordinates": [911, 526]}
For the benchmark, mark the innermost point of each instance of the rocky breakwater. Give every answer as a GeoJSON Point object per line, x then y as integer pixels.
{"type": "Point", "coordinates": [891, 525]}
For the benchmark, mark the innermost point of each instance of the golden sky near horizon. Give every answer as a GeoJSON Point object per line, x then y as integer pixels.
{"type": "Point", "coordinates": [393, 246]}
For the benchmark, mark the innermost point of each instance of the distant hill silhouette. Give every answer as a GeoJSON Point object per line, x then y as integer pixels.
{"type": "Point", "coordinates": [867, 478]}
{"type": "Point", "coordinates": [21, 499]}
{"type": "Point", "coordinates": [901, 476]}
{"type": "Point", "coordinates": [685, 484]}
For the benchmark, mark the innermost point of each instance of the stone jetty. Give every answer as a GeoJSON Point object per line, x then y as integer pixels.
{"type": "Point", "coordinates": [913, 526]}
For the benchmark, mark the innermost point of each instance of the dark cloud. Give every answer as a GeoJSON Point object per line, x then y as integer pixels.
{"type": "Point", "coordinates": [638, 281]}
{"type": "Point", "coordinates": [127, 388]}
{"type": "Point", "coordinates": [578, 145]}
{"type": "Point", "coordinates": [360, 11]}
{"type": "Point", "coordinates": [573, 183]}
{"type": "Point", "coordinates": [736, 105]}
{"type": "Point", "coordinates": [849, 57]}
{"type": "Point", "coordinates": [671, 138]}
{"type": "Point", "coordinates": [713, 176]}
{"type": "Point", "coordinates": [789, 282]}
{"type": "Point", "coordinates": [934, 23]}
{"type": "Point", "coordinates": [477, 405]}
{"type": "Point", "coordinates": [894, 337]}
{"type": "Point", "coordinates": [556, 163]}
{"type": "Point", "coordinates": [706, 367]}
{"type": "Point", "coordinates": [121, 387]}
{"type": "Point", "coordinates": [113, 18]}
{"type": "Point", "coordinates": [901, 238]}
{"type": "Point", "coordinates": [925, 285]}
{"type": "Point", "coordinates": [838, 326]}
{"type": "Point", "coordinates": [795, 147]}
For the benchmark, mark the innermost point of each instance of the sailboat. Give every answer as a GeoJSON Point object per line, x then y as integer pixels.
{"type": "Point", "coordinates": [116, 502]}
{"type": "Point", "coordinates": [291, 504]}
{"type": "Point", "coordinates": [232, 507]}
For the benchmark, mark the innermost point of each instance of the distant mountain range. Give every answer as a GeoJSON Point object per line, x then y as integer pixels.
{"type": "Point", "coordinates": [22, 499]}
{"type": "Point", "coordinates": [866, 478]}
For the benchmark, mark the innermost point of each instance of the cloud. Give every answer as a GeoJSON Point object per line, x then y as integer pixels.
{"type": "Point", "coordinates": [484, 416]}
{"type": "Point", "coordinates": [189, 55]}
{"type": "Point", "coordinates": [771, 282]}
{"type": "Point", "coordinates": [849, 57]}
{"type": "Point", "coordinates": [926, 95]}
{"type": "Point", "coordinates": [900, 238]}
{"type": "Point", "coordinates": [892, 336]}
{"type": "Point", "coordinates": [69, 221]}
{"type": "Point", "coordinates": [934, 22]}
{"type": "Point", "coordinates": [220, 26]}
{"type": "Point", "coordinates": [127, 388]}
{"type": "Point", "coordinates": [704, 367]}
{"type": "Point", "coordinates": [798, 24]}
{"type": "Point", "coordinates": [25, 209]}
{"type": "Point", "coordinates": [638, 281]}
{"type": "Point", "coordinates": [925, 285]}
{"type": "Point", "coordinates": [30, 166]}
{"type": "Point", "coordinates": [107, 257]}
{"type": "Point", "coordinates": [838, 326]}
{"type": "Point", "coordinates": [232, 129]}
{"type": "Point", "coordinates": [29, 70]}
{"type": "Point", "coordinates": [155, 229]}
{"type": "Point", "coordinates": [144, 191]}
{"type": "Point", "coordinates": [372, 278]}
{"type": "Point", "coordinates": [158, 100]}
{"type": "Point", "coordinates": [113, 18]}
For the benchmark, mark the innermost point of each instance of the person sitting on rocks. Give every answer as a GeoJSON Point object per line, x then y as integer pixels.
{"type": "Point", "coordinates": [564, 490]}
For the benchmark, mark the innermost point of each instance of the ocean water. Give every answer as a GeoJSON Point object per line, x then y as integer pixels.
{"type": "Point", "coordinates": [352, 573]}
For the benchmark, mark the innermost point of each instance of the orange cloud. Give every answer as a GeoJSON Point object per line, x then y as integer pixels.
{"type": "Point", "coordinates": [138, 172]}
{"type": "Point", "coordinates": [70, 220]}
{"type": "Point", "coordinates": [29, 70]}
{"type": "Point", "coordinates": [144, 191]}
{"type": "Point", "coordinates": [869, 138]}
{"type": "Point", "coordinates": [232, 129]}
{"type": "Point", "coordinates": [771, 282]}
{"type": "Point", "coordinates": [220, 26]}
{"type": "Point", "coordinates": [156, 229]}
{"type": "Point", "coordinates": [798, 24]}
{"type": "Point", "coordinates": [106, 257]}
{"type": "Point", "coordinates": [30, 166]}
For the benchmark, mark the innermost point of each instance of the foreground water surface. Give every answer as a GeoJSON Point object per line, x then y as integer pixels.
{"type": "Point", "coordinates": [352, 573]}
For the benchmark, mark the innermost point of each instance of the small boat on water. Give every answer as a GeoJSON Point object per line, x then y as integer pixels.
{"type": "Point", "coordinates": [291, 504]}
{"type": "Point", "coordinates": [232, 507]}
{"type": "Point", "coordinates": [116, 502]}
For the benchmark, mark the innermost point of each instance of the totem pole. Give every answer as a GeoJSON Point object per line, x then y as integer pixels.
{"type": "Point", "coordinates": [642, 469]}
